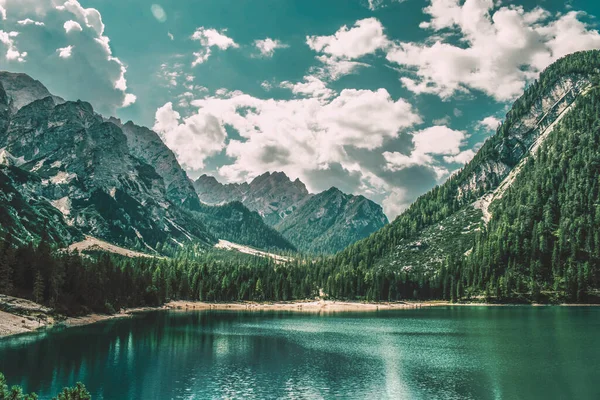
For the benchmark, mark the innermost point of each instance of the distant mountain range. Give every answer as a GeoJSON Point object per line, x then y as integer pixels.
{"type": "Point", "coordinates": [68, 172]}
{"type": "Point", "coordinates": [320, 223]}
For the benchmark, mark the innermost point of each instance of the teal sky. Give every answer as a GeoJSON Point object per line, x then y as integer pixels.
{"type": "Point", "coordinates": [402, 94]}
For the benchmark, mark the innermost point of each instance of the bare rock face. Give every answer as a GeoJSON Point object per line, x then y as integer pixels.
{"type": "Point", "coordinates": [89, 175]}
{"type": "Point", "coordinates": [524, 132]}
{"type": "Point", "coordinates": [21, 90]}
{"type": "Point", "coordinates": [272, 195]}
{"type": "Point", "coordinates": [147, 146]}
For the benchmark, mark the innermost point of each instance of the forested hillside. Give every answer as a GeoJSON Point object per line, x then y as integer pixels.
{"type": "Point", "coordinates": [543, 233]}
{"type": "Point", "coordinates": [330, 221]}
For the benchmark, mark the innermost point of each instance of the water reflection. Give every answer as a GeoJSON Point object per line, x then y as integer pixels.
{"type": "Point", "coordinates": [459, 352]}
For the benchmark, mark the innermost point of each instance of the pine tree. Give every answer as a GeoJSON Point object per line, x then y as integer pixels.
{"type": "Point", "coordinates": [39, 288]}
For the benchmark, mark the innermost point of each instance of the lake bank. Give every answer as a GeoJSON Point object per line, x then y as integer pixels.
{"type": "Point", "coordinates": [23, 316]}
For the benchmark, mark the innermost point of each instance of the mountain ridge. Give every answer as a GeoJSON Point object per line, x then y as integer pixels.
{"type": "Point", "coordinates": [97, 173]}
{"type": "Point", "coordinates": [314, 223]}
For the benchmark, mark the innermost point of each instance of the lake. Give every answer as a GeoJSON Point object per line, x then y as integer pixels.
{"type": "Point", "coordinates": [429, 353]}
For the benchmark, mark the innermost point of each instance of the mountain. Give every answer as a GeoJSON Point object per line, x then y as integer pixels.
{"type": "Point", "coordinates": [323, 223]}
{"type": "Point", "coordinates": [521, 219]}
{"type": "Point", "coordinates": [330, 221]}
{"type": "Point", "coordinates": [272, 195]}
{"type": "Point", "coordinates": [146, 145]}
{"type": "Point", "coordinates": [21, 90]}
{"type": "Point", "coordinates": [115, 182]}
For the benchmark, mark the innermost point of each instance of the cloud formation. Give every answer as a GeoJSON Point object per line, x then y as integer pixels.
{"type": "Point", "coordinates": [499, 50]}
{"type": "Point", "coordinates": [72, 26]}
{"type": "Point", "coordinates": [41, 36]}
{"type": "Point", "coordinates": [267, 46]}
{"type": "Point", "coordinates": [210, 38]}
{"type": "Point", "coordinates": [340, 51]}
{"type": "Point", "coordinates": [489, 123]}
{"type": "Point", "coordinates": [433, 141]}
{"type": "Point", "coordinates": [65, 52]}
{"type": "Point", "coordinates": [295, 136]}
{"type": "Point", "coordinates": [194, 138]}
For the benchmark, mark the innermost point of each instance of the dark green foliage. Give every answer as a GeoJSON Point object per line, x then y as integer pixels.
{"type": "Point", "coordinates": [329, 221]}
{"type": "Point", "coordinates": [545, 230]}
{"type": "Point", "coordinates": [79, 392]}
{"type": "Point", "coordinates": [74, 284]}
{"type": "Point", "coordinates": [236, 223]}
{"type": "Point", "coordinates": [444, 201]}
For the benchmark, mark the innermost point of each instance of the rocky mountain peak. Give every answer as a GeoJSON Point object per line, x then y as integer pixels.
{"type": "Point", "coordinates": [23, 89]}
{"type": "Point", "coordinates": [325, 222]}
{"type": "Point", "coordinates": [146, 145]}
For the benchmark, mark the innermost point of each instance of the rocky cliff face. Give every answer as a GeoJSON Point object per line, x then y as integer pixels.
{"type": "Point", "coordinates": [322, 223]}
{"type": "Point", "coordinates": [21, 90]}
{"type": "Point", "coordinates": [523, 133]}
{"type": "Point", "coordinates": [147, 146]}
{"type": "Point", "coordinates": [272, 195]}
{"type": "Point", "coordinates": [87, 172]}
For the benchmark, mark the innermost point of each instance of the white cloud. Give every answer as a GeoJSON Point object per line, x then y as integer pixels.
{"type": "Point", "coordinates": [501, 49]}
{"type": "Point", "coordinates": [101, 76]}
{"type": "Point", "coordinates": [129, 100]}
{"type": "Point", "coordinates": [3, 13]}
{"type": "Point", "coordinates": [461, 158]}
{"type": "Point", "coordinates": [210, 38]}
{"type": "Point", "coordinates": [334, 68]}
{"type": "Point", "coordinates": [72, 26]}
{"type": "Point", "coordinates": [158, 12]}
{"type": "Point", "coordinates": [65, 52]}
{"type": "Point", "coordinates": [294, 136]}
{"type": "Point", "coordinates": [377, 4]}
{"type": "Point", "coordinates": [193, 139]}
{"type": "Point", "coordinates": [267, 46]}
{"type": "Point", "coordinates": [489, 123]}
{"type": "Point", "coordinates": [365, 37]}
{"type": "Point", "coordinates": [395, 202]}
{"type": "Point", "coordinates": [170, 35]}
{"type": "Point", "coordinates": [311, 87]}
{"type": "Point", "coordinates": [429, 142]}
{"type": "Point", "coordinates": [266, 85]}
{"type": "Point", "coordinates": [340, 50]}
{"type": "Point", "coordinates": [12, 53]}
{"type": "Point", "coordinates": [29, 21]}
{"type": "Point", "coordinates": [91, 16]}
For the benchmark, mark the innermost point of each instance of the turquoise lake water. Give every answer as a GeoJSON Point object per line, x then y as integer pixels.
{"type": "Point", "coordinates": [428, 353]}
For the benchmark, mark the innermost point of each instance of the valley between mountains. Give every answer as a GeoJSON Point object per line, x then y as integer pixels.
{"type": "Point", "coordinates": [520, 223]}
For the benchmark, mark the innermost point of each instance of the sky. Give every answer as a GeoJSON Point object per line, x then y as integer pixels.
{"type": "Point", "coordinates": [384, 98]}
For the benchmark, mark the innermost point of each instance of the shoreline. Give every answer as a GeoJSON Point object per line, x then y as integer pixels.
{"type": "Point", "coordinates": [12, 324]}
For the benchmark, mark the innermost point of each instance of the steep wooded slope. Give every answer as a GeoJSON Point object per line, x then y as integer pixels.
{"type": "Point", "coordinates": [420, 240]}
